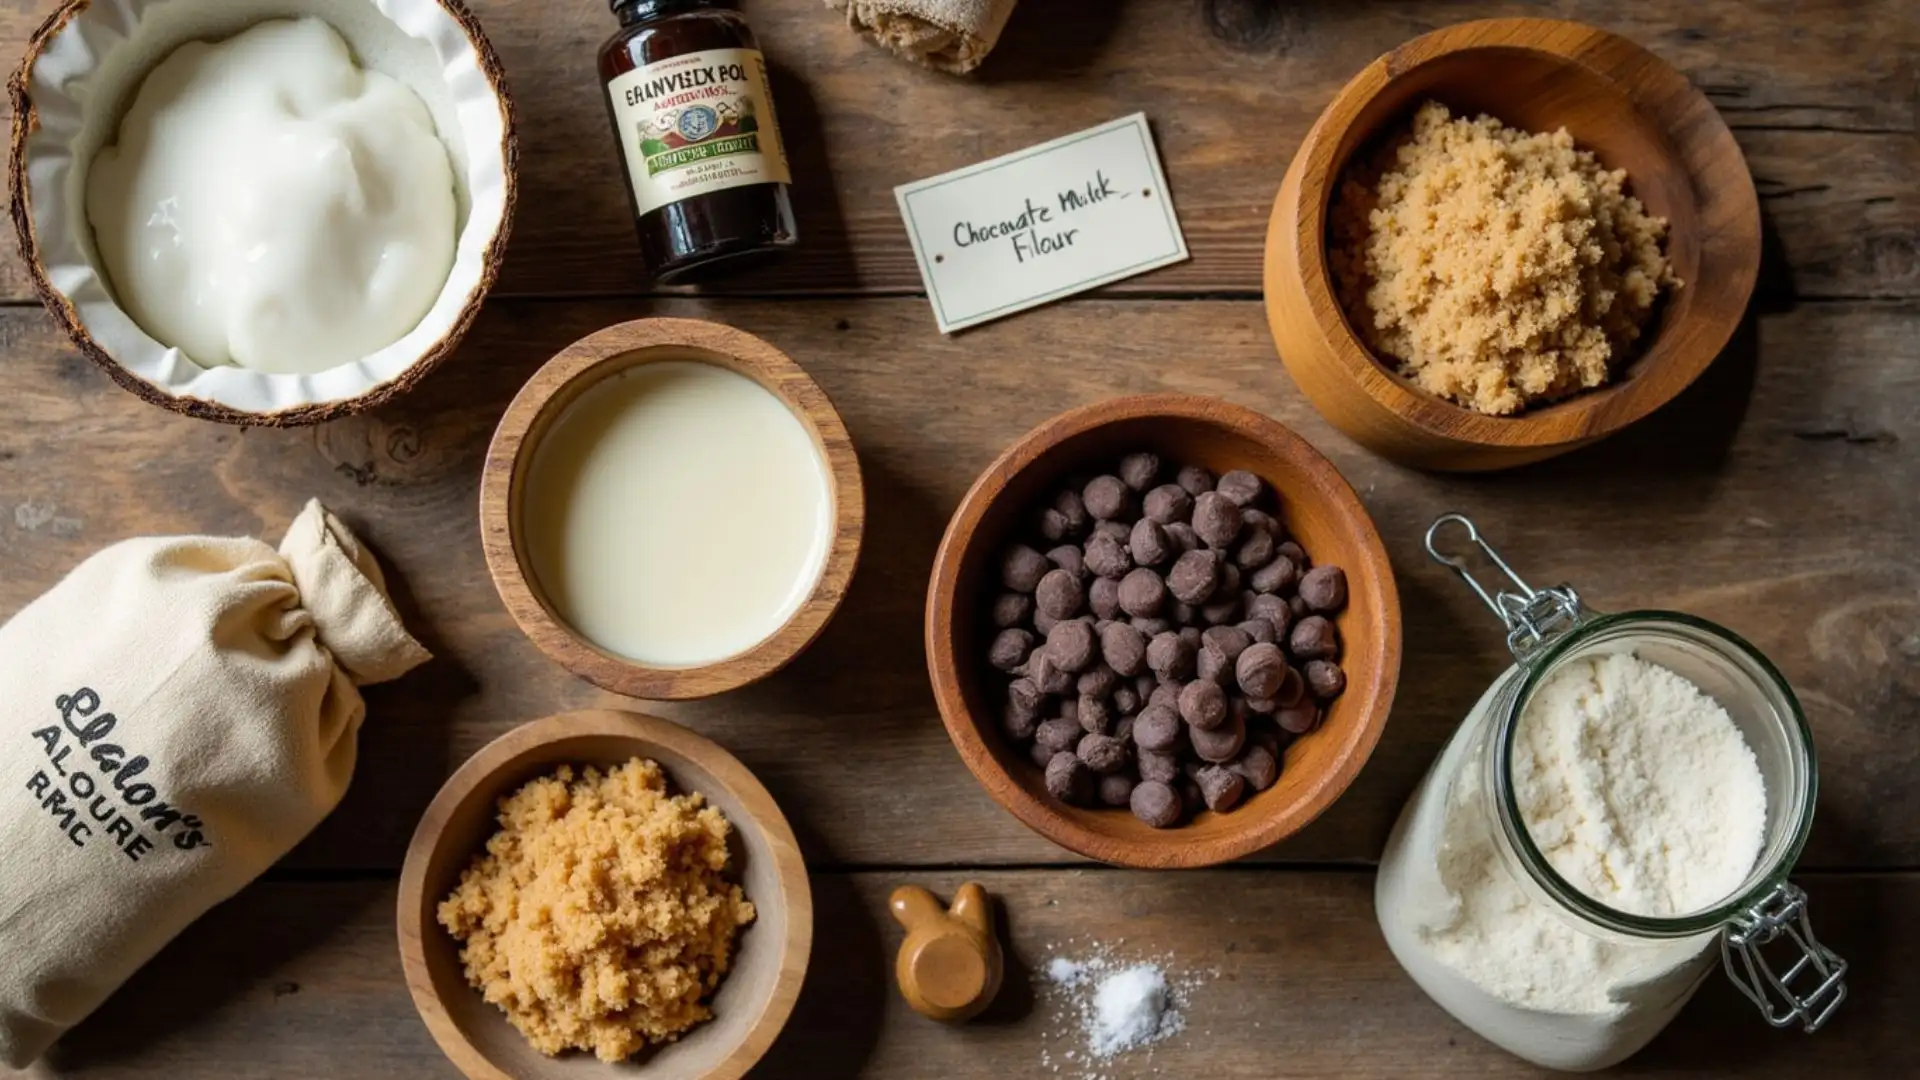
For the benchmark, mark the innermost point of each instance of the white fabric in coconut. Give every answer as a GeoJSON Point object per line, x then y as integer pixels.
{"type": "Point", "coordinates": [86, 76]}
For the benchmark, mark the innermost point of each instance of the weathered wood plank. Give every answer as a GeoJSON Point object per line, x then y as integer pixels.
{"type": "Point", "coordinates": [1781, 496]}
{"type": "Point", "coordinates": [1825, 109]}
{"type": "Point", "coordinates": [299, 981]}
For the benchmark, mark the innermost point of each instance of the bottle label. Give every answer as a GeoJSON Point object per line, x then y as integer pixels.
{"type": "Point", "coordinates": [698, 123]}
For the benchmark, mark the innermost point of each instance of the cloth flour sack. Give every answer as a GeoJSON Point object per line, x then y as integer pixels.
{"type": "Point", "coordinates": [174, 716]}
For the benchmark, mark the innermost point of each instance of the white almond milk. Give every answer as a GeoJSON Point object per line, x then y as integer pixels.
{"type": "Point", "coordinates": [677, 513]}
{"type": "Point", "coordinates": [271, 205]}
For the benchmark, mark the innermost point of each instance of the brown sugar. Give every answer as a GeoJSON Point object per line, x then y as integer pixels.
{"type": "Point", "coordinates": [599, 917]}
{"type": "Point", "coordinates": [1498, 267]}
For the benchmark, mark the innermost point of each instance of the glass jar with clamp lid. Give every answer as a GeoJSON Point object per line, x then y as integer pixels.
{"type": "Point", "coordinates": [1480, 910]}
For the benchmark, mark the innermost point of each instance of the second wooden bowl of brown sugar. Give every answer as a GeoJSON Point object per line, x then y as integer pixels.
{"type": "Point", "coordinates": [1635, 112]}
{"type": "Point", "coordinates": [769, 960]}
{"type": "Point", "coordinates": [1315, 504]}
{"type": "Point", "coordinates": [635, 598]}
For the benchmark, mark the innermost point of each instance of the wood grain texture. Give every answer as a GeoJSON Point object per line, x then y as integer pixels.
{"type": "Point", "coordinates": [1618, 101]}
{"type": "Point", "coordinates": [1780, 497]}
{"type": "Point", "coordinates": [1318, 508]}
{"type": "Point", "coordinates": [1824, 109]}
{"type": "Point", "coordinates": [545, 398]}
{"type": "Point", "coordinates": [769, 959]}
{"type": "Point", "coordinates": [300, 982]}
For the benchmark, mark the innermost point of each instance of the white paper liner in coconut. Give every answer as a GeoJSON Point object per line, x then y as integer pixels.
{"type": "Point", "coordinates": [76, 83]}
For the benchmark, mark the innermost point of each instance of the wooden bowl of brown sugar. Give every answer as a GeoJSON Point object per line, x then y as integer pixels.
{"type": "Point", "coordinates": [770, 954]}
{"type": "Point", "coordinates": [1317, 508]}
{"type": "Point", "coordinates": [1616, 99]}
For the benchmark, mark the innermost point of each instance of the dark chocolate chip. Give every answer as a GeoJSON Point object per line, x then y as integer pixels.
{"type": "Point", "coordinates": [1108, 557]}
{"type": "Point", "coordinates": [1157, 766]}
{"type": "Point", "coordinates": [1021, 568]}
{"type": "Point", "coordinates": [1069, 506]}
{"type": "Point", "coordinates": [1314, 638]}
{"type": "Point", "coordinates": [1068, 557]}
{"type": "Point", "coordinates": [1151, 626]}
{"type": "Point", "coordinates": [1203, 704]}
{"type": "Point", "coordinates": [1194, 480]}
{"type": "Point", "coordinates": [1300, 718]}
{"type": "Point", "coordinates": [1010, 648]}
{"type": "Point", "coordinates": [1094, 714]}
{"type": "Point", "coordinates": [1157, 728]}
{"type": "Point", "coordinates": [1071, 644]}
{"type": "Point", "coordinates": [1142, 593]}
{"type": "Point", "coordinates": [1216, 520]}
{"type": "Point", "coordinates": [1260, 670]}
{"type": "Point", "coordinates": [1047, 674]}
{"type": "Point", "coordinates": [1103, 596]}
{"type": "Point", "coordinates": [1059, 733]}
{"type": "Point", "coordinates": [1219, 744]}
{"type": "Point", "coordinates": [1272, 610]}
{"type": "Point", "coordinates": [1139, 471]}
{"type": "Point", "coordinates": [1069, 780]}
{"type": "Point", "coordinates": [1060, 594]}
{"type": "Point", "coordinates": [1241, 487]}
{"type": "Point", "coordinates": [1155, 803]}
{"type": "Point", "coordinates": [1102, 753]}
{"type": "Point", "coordinates": [1170, 657]}
{"type": "Point", "coordinates": [1100, 679]}
{"type": "Point", "coordinates": [1255, 551]}
{"type": "Point", "coordinates": [1325, 679]}
{"type": "Point", "coordinates": [1148, 543]}
{"type": "Point", "coordinates": [1019, 724]}
{"type": "Point", "coordinates": [1222, 788]}
{"type": "Point", "coordinates": [1258, 765]}
{"type": "Point", "coordinates": [1012, 609]}
{"type": "Point", "coordinates": [1108, 499]}
{"type": "Point", "coordinates": [1324, 588]}
{"type": "Point", "coordinates": [1168, 503]}
{"type": "Point", "coordinates": [1124, 649]}
{"type": "Point", "coordinates": [1025, 697]}
{"type": "Point", "coordinates": [1194, 576]}
{"type": "Point", "coordinates": [1277, 576]}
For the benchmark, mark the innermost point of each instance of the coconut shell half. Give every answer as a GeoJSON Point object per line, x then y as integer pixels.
{"type": "Point", "coordinates": [78, 75]}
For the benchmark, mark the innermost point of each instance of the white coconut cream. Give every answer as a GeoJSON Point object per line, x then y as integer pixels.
{"type": "Point", "coordinates": [677, 513]}
{"type": "Point", "coordinates": [269, 204]}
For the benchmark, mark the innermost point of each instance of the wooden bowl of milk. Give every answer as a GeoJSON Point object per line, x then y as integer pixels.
{"type": "Point", "coordinates": [671, 509]}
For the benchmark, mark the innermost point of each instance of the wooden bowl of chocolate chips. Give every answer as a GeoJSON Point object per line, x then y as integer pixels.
{"type": "Point", "coordinates": [1163, 631]}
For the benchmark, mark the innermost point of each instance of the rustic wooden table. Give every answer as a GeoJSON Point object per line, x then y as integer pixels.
{"type": "Point", "coordinates": [1780, 496]}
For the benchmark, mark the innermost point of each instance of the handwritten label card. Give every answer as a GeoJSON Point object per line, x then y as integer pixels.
{"type": "Point", "coordinates": [1063, 217]}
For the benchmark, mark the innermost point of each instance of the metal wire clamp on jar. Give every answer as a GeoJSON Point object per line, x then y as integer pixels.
{"type": "Point", "coordinates": [1550, 627]}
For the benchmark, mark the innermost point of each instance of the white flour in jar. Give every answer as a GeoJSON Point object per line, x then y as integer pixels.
{"type": "Point", "coordinates": [1641, 792]}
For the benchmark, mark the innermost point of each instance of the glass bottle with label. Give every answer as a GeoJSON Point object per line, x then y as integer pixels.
{"type": "Point", "coordinates": [706, 167]}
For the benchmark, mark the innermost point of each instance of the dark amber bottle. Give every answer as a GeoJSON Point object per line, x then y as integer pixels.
{"type": "Point", "coordinates": [687, 92]}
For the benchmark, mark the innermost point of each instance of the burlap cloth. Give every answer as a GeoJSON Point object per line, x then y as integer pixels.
{"type": "Point", "coordinates": [949, 35]}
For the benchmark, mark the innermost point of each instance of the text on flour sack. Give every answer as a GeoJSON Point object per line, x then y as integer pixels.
{"type": "Point", "coordinates": [1039, 228]}
{"type": "Point", "coordinates": [94, 789]}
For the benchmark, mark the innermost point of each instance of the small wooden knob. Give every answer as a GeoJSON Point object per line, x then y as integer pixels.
{"type": "Point", "coordinates": [950, 964]}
